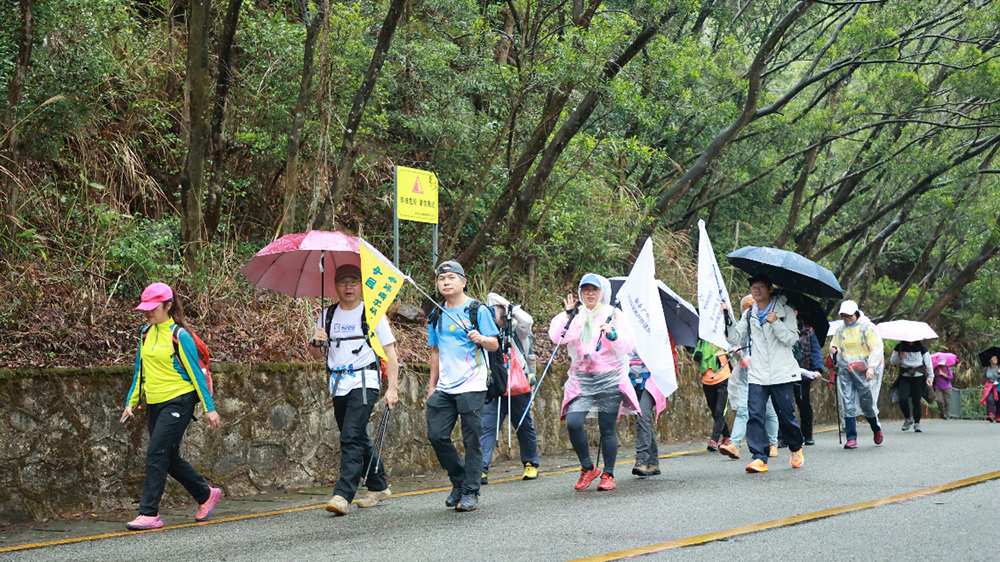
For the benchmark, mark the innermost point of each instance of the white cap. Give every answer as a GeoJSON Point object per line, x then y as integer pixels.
{"type": "Point", "coordinates": [849, 308]}
{"type": "Point", "coordinates": [942, 360]}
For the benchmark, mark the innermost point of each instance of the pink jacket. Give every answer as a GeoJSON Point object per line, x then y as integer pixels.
{"type": "Point", "coordinates": [613, 355]}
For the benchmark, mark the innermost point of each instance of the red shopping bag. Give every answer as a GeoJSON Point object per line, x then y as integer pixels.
{"type": "Point", "coordinates": [518, 384]}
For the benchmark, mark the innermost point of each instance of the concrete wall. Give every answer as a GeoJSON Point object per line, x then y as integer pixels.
{"type": "Point", "coordinates": [62, 450]}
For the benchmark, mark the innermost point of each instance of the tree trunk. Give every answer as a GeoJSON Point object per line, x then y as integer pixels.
{"type": "Point", "coordinates": [808, 161]}
{"type": "Point", "coordinates": [349, 148]}
{"type": "Point", "coordinates": [213, 204]}
{"type": "Point", "coordinates": [298, 120]}
{"type": "Point", "coordinates": [321, 177]}
{"type": "Point", "coordinates": [966, 276]}
{"type": "Point", "coordinates": [193, 176]}
{"type": "Point", "coordinates": [12, 188]}
{"type": "Point", "coordinates": [875, 245]}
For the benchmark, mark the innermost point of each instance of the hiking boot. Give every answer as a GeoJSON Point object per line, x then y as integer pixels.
{"type": "Point", "coordinates": [587, 477]}
{"type": "Point", "coordinates": [772, 451]}
{"type": "Point", "coordinates": [485, 479]}
{"type": "Point", "coordinates": [640, 470]}
{"type": "Point", "coordinates": [469, 502]}
{"type": "Point", "coordinates": [853, 443]}
{"type": "Point", "coordinates": [907, 423]}
{"type": "Point", "coordinates": [143, 522]}
{"type": "Point", "coordinates": [372, 498]}
{"type": "Point", "coordinates": [757, 465]}
{"type": "Point", "coordinates": [607, 483]}
{"type": "Point", "coordinates": [453, 498]}
{"type": "Point", "coordinates": [730, 450]}
{"type": "Point", "coordinates": [878, 438]}
{"type": "Point", "coordinates": [530, 471]}
{"type": "Point", "coordinates": [916, 428]}
{"type": "Point", "coordinates": [653, 469]}
{"type": "Point", "coordinates": [206, 509]}
{"type": "Point", "coordinates": [338, 505]}
{"type": "Point", "coordinates": [797, 458]}
{"type": "Point", "coordinates": [713, 445]}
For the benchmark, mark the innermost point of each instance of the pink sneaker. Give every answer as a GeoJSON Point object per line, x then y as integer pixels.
{"type": "Point", "coordinates": [206, 509]}
{"type": "Point", "coordinates": [143, 522]}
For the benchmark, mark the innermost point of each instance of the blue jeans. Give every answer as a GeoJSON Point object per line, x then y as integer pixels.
{"type": "Point", "coordinates": [738, 402]}
{"type": "Point", "coordinates": [526, 439]}
{"type": "Point", "coordinates": [782, 396]}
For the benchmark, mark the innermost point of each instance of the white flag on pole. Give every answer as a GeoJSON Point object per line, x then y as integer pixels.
{"type": "Point", "coordinates": [640, 301]}
{"type": "Point", "coordinates": [711, 293]}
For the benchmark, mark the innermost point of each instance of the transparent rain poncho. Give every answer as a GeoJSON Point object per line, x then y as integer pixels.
{"type": "Point", "coordinates": [859, 346]}
{"type": "Point", "coordinates": [598, 378]}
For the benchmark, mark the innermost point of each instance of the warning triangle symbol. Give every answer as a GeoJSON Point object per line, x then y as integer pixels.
{"type": "Point", "coordinates": [416, 187]}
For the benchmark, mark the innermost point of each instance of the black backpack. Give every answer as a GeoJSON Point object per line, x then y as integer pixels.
{"type": "Point", "coordinates": [496, 375]}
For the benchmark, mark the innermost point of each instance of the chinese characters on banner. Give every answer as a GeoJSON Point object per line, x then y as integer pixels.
{"type": "Point", "coordinates": [381, 283]}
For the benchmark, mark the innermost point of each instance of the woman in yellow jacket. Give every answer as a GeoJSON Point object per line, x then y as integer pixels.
{"type": "Point", "coordinates": [173, 383]}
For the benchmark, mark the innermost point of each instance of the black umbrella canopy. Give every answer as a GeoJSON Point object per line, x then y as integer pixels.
{"type": "Point", "coordinates": [984, 356]}
{"type": "Point", "coordinates": [811, 312]}
{"type": "Point", "coordinates": [789, 270]}
{"type": "Point", "coordinates": [681, 316]}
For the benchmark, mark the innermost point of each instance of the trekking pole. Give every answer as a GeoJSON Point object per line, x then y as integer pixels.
{"type": "Point", "coordinates": [538, 385]}
{"type": "Point", "coordinates": [608, 321]}
{"type": "Point", "coordinates": [379, 439]}
{"type": "Point", "coordinates": [836, 384]}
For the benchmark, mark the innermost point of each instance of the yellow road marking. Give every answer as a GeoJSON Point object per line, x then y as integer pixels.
{"type": "Point", "coordinates": [295, 509]}
{"type": "Point", "coordinates": [787, 521]}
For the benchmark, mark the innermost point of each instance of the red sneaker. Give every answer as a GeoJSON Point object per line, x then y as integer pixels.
{"type": "Point", "coordinates": [586, 477]}
{"type": "Point", "coordinates": [878, 437]}
{"type": "Point", "coordinates": [607, 482]}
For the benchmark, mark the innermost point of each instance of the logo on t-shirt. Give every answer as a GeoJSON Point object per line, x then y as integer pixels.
{"type": "Point", "coordinates": [342, 328]}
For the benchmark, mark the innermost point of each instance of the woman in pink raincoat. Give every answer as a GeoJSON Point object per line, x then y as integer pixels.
{"type": "Point", "coordinates": [598, 341]}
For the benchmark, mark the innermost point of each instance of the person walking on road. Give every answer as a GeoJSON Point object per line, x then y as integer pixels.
{"type": "Point", "coordinates": [738, 390]}
{"type": "Point", "coordinates": [520, 344]}
{"type": "Point", "coordinates": [715, 371]}
{"type": "Point", "coordinates": [355, 378]}
{"type": "Point", "coordinates": [943, 376]}
{"type": "Point", "coordinates": [858, 360]}
{"type": "Point", "coordinates": [990, 398]}
{"type": "Point", "coordinates": [811, 362]}
{"type": "Point", "coordinates": [458, 383]}
{"type": "Point", "coordinates": [772, 331]}
{"type": "Point", "coordinates": [168, 373]}
{"type": "Point", "coordinates": [647, 452]}
{"type": "Point", "coordinates": [598, 341]}
{"type": "Point", "coordinates": [915, 372]}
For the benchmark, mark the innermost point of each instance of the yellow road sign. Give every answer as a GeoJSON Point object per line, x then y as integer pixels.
{"type": "Point", "coordinates": [416, 195]}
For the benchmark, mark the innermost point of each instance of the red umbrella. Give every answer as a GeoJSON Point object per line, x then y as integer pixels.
{"type": "Point", "coordinates": [291, 264]}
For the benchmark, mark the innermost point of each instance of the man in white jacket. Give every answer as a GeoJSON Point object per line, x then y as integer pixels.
{"type": "Point", "coordinates": [772, 328]}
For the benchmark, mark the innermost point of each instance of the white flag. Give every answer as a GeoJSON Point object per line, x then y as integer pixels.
{"type": "Point", "coordinates": [711, 293]}
{"type": "Point", "coordinates": [640, 301]}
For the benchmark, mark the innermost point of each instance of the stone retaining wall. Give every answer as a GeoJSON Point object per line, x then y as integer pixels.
{"type": "Point", "coordinates": [63, 452]}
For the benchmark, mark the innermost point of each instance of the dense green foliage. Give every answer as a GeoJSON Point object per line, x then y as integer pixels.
{"type": "Point", "coordinates": [845, 121]}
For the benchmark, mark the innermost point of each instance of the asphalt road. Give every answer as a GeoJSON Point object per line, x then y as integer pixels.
{"type": "Point", "coordinates": [698, 494]}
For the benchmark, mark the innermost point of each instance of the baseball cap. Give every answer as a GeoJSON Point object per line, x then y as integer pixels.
{"type": "Point", "coordinates": [591, 279]}
{"type": "Point", "coordinates": [153, 295]}
{"type": "Point", "coordinates": [451, 266]}
{"type": "Point", "coordinates": [849, 308]}
{"type": "Point", "coordinates": [347, 270]}
{"type": "Point", "coordinates": [759, 277]}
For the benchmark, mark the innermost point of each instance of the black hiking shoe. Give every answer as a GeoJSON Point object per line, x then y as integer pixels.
{"type": "Point", "coordinates": [453, 498]}
{"type": "Point", "coordinates": [469, 502]}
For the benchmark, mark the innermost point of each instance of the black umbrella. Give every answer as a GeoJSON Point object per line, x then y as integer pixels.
{"type": "Point", "coordinates": [681, 316]}
{"type": "Point", "coordinates": [789, 270]}
{"type": "Point", "coordinates": [984, 356]}
{"type": "Point", "coordinates": [811, 312]}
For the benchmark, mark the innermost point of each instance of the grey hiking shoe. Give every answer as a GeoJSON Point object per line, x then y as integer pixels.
{"type": "Point", "coordinates": [907, 423]}
{"type": "Point", "coordinates": [469, 502]}
{"type": "Point", "coordinates": [372, 498]}
{"type": "Point", "coordinates": [916, 428]}
{"type": "Point", "coordinates": [453, 498]}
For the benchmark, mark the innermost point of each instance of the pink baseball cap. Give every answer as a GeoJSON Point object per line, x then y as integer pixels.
{"type": "Point", "coordinates": [153, 295]}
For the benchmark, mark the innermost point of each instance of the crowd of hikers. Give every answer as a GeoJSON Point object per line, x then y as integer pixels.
{"type": "Point", "coordinates": [773, 358]}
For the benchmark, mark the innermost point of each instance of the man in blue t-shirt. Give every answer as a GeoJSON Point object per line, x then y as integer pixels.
{"type": "Point", "coordinates": [458, 383]}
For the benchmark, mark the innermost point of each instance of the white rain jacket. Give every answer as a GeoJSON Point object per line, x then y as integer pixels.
{"type": "Point", "coordinates": [522, 324]}
{"type": "Point", "coordinates": [910, 361]}
{"type": "Point", "coordinates": [771, 358]}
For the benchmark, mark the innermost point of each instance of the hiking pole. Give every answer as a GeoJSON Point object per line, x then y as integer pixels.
{"type": "Point", "coordinates": [379, 438]}
{"type": "Point", "coordinates": [608, 321]}
{"type": "Point", "coordinates": [840, 437]}
{"type": "Point", "coordinates": [538, 384]}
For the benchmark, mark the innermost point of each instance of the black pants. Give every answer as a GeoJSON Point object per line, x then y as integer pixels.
{"type": "Point", "coordinates": [781, 396]}
{"type": "Point", "coordinates": [609, 439]}
{"type": "Point", "coordinates": [716, 395]}
{"type": "Point", "coordinates": [805, 407]}
{"type": "Point", "coordinates": [911, 389]}
{"type": "Point", "coordinates": [443, 410]}
{"type": "Point", "coordinates": [355, 449]}
{"type": "Point", "coordinates": [167, 423]}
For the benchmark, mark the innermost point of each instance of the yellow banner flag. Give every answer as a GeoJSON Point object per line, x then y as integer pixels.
{"type": "Point", "coordinates": [381, 282]}
{"type": "Point", "coordinates": [416, 195]}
